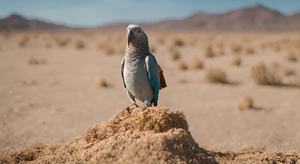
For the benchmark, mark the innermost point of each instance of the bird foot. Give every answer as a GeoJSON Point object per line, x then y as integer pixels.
{"type": "Point", "coordinates": [144, 107]}
{"type": "Point", "coordinates": [133, 105]}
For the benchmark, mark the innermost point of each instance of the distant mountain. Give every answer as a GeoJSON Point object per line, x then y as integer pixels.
{"type": "Point", "coordinates": [17, 22]}
{"type": "Point", "coordinates": [251, 18]}
{"type": "Point", "coordinates": [256, 17]}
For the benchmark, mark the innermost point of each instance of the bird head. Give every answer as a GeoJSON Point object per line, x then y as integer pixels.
{"type": "Point", "coordinates": [136, 36]}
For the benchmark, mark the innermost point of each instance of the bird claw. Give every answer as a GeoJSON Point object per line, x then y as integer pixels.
{"type": "Point", "coordinates": [144, 107]}
{"type": "Point", "coordinates": [133, 105]}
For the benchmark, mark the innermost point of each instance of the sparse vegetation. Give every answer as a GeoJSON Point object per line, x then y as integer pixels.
{"type": "Point", "coordinates": [101, 83]}
{"type": "Point", "coordinates": [262, 75]}
{"type": "Point", "coordinates": [290, 72]}
{"type": "Point", "coordinates": [175, 54]}
{"type": "Point", "coordinates": [182, 66]}
{"type": "Point", "coordinates": [62, 42]}
{"type": "Point", "coordinates": [36, 61]}
{"type": "Point", "coordinates": [197, 63]}
{"type": "Point", "coordinates": [250, 51]}
{"type": "Point", "coordinates": [209, 52]}
{"type": "Point", "coordinates": [237, 61]}
{"type": "Point", "coordinates": [80, 44]}
{"type": "Point", "coordinates": [24, 41]}
{"type": "Point", "coordinates": [236, 48]}
{"type": "Point", "coordinates": [152, 49]}
{"type": "Point", "coordinates": [245, 104]}
{"type": "Point", "coordinates": [215, 75]}
{"type": "Point", "coordinates": [292, 57]}
{"type": "Point", "coordinates": [178, 42]}
{"type": "Point", "coordinates": [109, 51]}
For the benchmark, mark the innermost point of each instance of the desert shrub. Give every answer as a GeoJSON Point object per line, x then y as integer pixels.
{"type": "Point", "coordinates": [209, 52]}
{"type": "Point", "coordinates": [36, 61]}
{"type": "Point", "coordinates": [263, 75]}
{"type": "Point", "coordinates": [246, 104]}
{"type": "Point", "coordinates": [182, 66]}
{"type": "Point", "coordinates": [290, 72]}
{"type": "Point", "coordinates": [215, 75]}
{"type": "Point", "coordinates": [291, 57]}
{"type": "Point", "coordinates": [62, 42]}
{"type": "Point", "coordinates": [250, 51]}
{"type": "Point", "coordinates": [152, 49]}
{"type": "Point", "coordinates": [236, 48]}
{"type": "Point", "coordinates": [197, 63]}
{"type": "Point", "coordinates": [101, 83]}
{"type": "Point", "coordinates": [109, 50]}
{"type": "Point", "coordinates": [178, 42]}
{"type": "Point", "coordinates": [24, 41]}
{"type": "Point", "coordinates": [276, 47]}
{"type": "Point", "coordinates": [80, 44]}
{"type": "Point", "coordinates": [175, 54]}
{"type": "Point", "coordinates": [237, 61]}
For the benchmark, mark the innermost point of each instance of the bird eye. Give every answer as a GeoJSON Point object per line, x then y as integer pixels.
{"type": "Point", "coordinates": [139, 31]}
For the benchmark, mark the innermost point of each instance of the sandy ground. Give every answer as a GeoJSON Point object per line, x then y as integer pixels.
{"type": "Point", "coordinates": [134, 135]}
{"type": "Point", "coordinates": [58, 100]}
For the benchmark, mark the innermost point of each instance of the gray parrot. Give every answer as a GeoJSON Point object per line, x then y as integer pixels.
{"type": "Point", "coordinates": [142, 76]}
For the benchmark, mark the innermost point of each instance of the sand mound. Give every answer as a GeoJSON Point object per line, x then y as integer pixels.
{"type": "Point", "coordinates": [155, 135]}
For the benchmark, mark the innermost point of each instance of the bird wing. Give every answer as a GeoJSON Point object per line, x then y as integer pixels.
{"type": "Point", "coordinates": [163, 82]}
{"type": "Point", "coordinates": [122, 71]}
{"type": "Point", "coordinates": [153, 75]}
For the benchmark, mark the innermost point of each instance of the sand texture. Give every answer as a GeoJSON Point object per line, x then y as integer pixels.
{"type": "Point", "coordinates": [134, 135]}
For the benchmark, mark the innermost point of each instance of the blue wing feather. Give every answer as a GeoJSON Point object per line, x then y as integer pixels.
{"type": "Point", "coordinates": [153, 76]}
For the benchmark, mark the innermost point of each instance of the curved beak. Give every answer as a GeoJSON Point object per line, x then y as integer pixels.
{"type": "Point", "coordinates": [130, 36]}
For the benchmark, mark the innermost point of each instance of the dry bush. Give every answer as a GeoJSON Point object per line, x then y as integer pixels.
{"type": "Point", "coordinates": [197, 63]}
{"type": "Point", "coordinates": [237, 61]}
{"type": "Point", "coordinates": [101, 83]}
{"type": "Point", "coordinates": [183, 66]}
{"type": "Point", "coordinates": [291, 57]}
{"type": "Point", "coordinates": [109, 50]}
{"type": "Point", "coordinates": [214, 75]}
{"type": "Point", "coordinates": [250, 51]}
{"type": "Point", "coordinates": [80, 44]}
{"type": "Point", "coordinates": [24, 41]}
{"type": "Point", "coordinates": [36, 61]}
{"type": "Point", "coordinates": [175, 54]}
{"type": "Point", "coordinates": [277, 47]}
{"type": "Point", "coordinates": [152, 49]}
{"type": "Point", "coordinates": [246, 104]}
{"type": "Point", "coordinates": [263, 75]}
{"type": "Point", "coordinates": [236, 48]}
{"type": "Point", "coordinates": [290, 72]}
{"type": "Point", "coordinates": [62, 42]}
{"type": "Point", "coordinates": [178, 42]}
{"type": "Point", "coordinates": [209, 52]}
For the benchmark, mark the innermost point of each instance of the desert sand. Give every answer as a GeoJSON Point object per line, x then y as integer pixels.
{"type": "Point", "coordinates": [55, 85]}
{"type": "Point", "coordinates": [134, 135]}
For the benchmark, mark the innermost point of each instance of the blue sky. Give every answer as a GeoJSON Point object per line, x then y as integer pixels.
{"type": "Point", "coordinates": [98, 12]}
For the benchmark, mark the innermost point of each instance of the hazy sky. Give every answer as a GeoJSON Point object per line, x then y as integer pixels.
{"type": "Point", "coordinates": [97, 12]}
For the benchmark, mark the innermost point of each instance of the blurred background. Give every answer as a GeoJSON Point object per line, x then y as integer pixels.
{"type": "Point", "coordinates": [233, 67]}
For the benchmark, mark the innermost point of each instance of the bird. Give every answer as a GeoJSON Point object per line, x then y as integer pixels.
{"type": "Point", "coordinates": [141, 74]}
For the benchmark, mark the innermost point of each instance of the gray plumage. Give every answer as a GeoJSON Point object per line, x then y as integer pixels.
{"type": "Point", "coordinates": [142, 76]}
